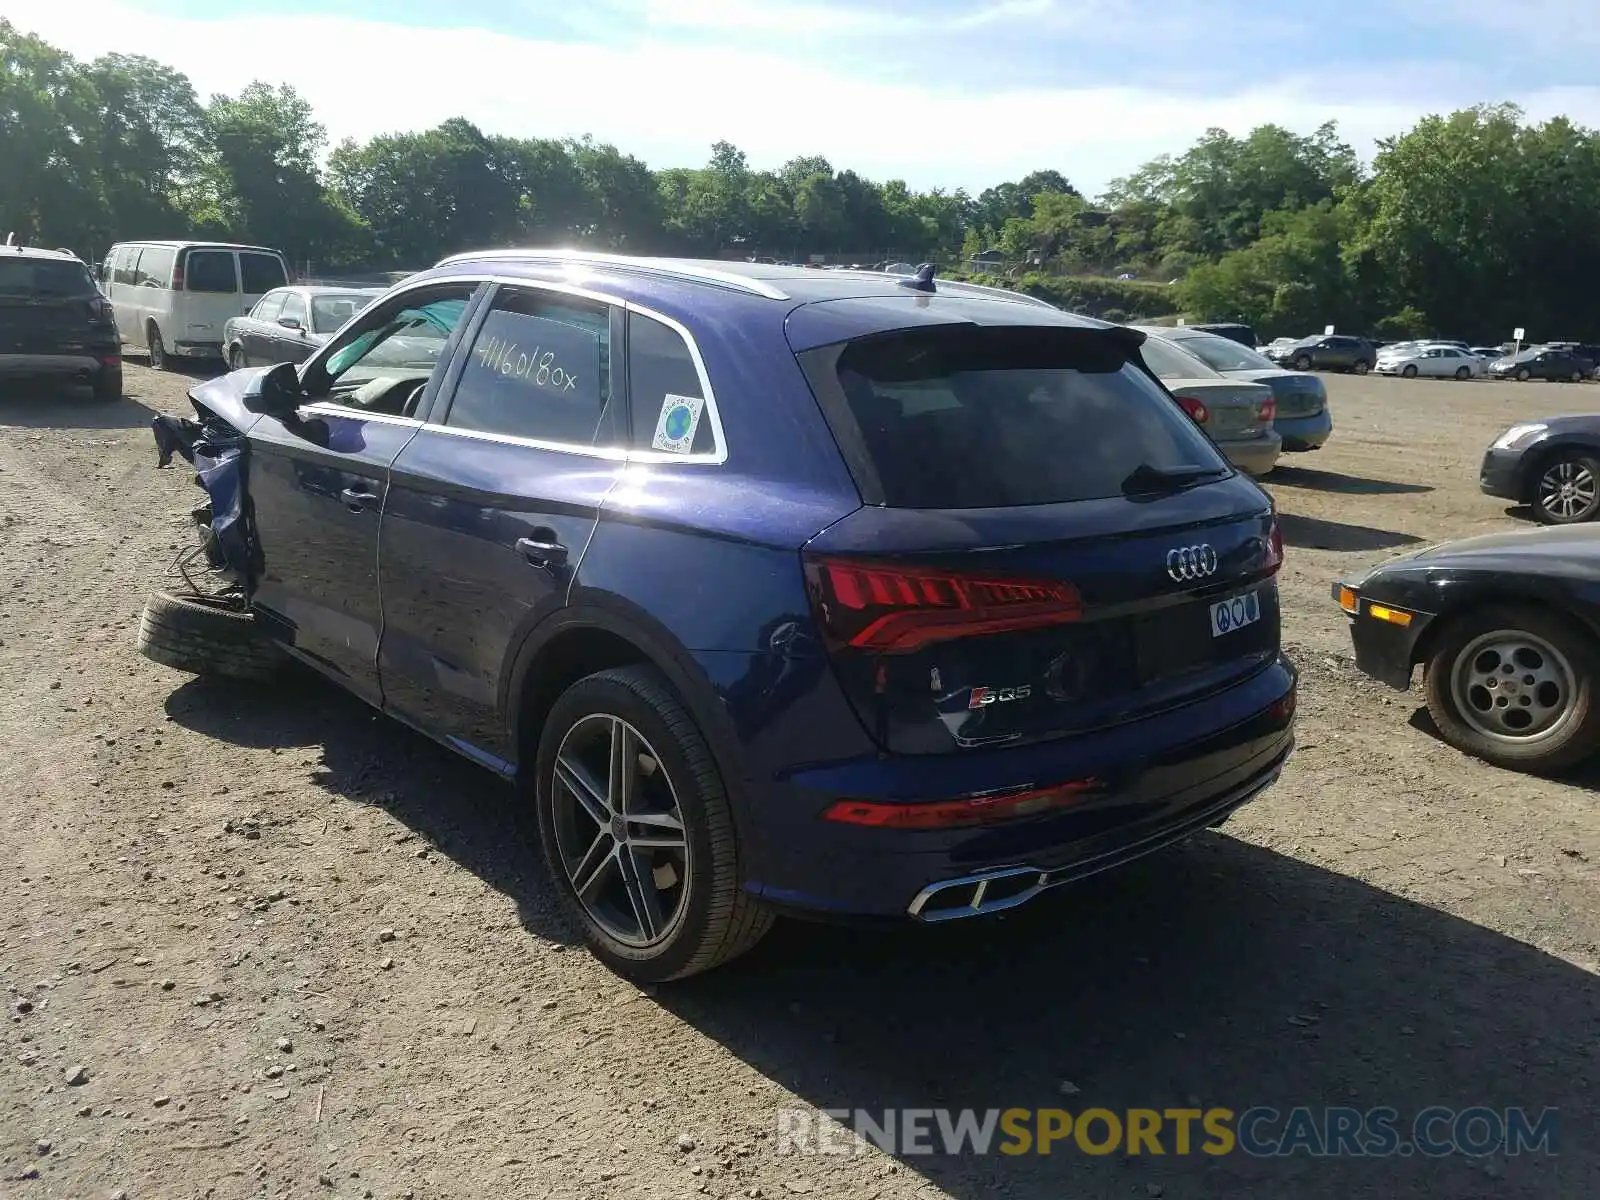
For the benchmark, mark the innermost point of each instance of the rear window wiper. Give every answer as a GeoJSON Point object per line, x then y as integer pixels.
{"type": "Point", "coordinates": [1145, 478]}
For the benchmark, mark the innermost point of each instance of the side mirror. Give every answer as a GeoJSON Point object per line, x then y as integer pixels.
{"type": "Point", "coordinates": [289, 322]}
{"type": "Point", "coordinates": [275, 392]}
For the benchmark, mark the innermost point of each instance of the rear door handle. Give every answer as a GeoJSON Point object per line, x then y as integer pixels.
{"type": "Point", "coordinates": [541, 553]}
{"type": "Point", "coordinates": [358, 500]}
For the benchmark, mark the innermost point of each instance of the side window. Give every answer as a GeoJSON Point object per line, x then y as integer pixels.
{"type": "Point", "coordinates": [155, 267]}
{"type": "Point", "coordinates": [210, 271]}
{"type": "Point", "coordinates": [294, 306]}
{"type": "Point", "coordinates": [539, 368]}
{"type": "Point", "coordinates": [664, 392]}
{"type": "Point", "coordinates": [124, 260]}
{"type": "Point", "coordinates": [260, 272]}
{"type": "Point", "coordinates": [397, 342]}
{"type": "Point", "coordinates": [269, 307]}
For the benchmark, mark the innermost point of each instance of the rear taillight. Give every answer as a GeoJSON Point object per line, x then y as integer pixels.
{"type": "Point", "coordinates": [1267, 410]}
{"type": "Point", "coordinates": [1196, 409]}
{"type": "Point", "coordinates": [177, 273]}
{"type": "Point", "coordinates": [891, 609]}
{"type": "Point", "coordinates": [100, 309]}
{"type": "Point", "coordinates": [969, 810]}
{"type": "Point", "coordinates": [1274, 543]}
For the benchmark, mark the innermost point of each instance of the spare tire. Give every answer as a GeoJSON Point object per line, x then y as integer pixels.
{"type": "Point", "coordinates": [205, 637]}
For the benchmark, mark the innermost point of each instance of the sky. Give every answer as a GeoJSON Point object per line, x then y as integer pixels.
{"type": "Point", "coordinates": [940, 93]}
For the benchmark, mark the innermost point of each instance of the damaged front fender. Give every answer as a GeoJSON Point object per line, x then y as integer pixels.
{"type": "Point", "coordinates": [217, 447]}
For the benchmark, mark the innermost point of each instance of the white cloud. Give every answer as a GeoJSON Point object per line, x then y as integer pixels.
{"type": "Point", "coordinates": [667, 103]}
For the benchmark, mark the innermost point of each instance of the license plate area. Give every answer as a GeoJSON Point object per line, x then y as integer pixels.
{"type": "Point", "coordinates": [1236, 612]}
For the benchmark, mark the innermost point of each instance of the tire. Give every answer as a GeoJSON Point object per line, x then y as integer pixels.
{"type": "Point", "coordinates": [1302, 362]}
{"type": "Point", "coordinates": [1463, 373]}
{"type": "Point", "coordinates": [236, 359]}
{"type": "Point", "coordinates": [711, 919]}
{"type": "Point", "coordinates": [108, 384]}
{"type": "Point", "coordinates": [1362, 366]}
{"type": "Point", "coordinates": [158, 348]}
{"type": "Point", "coordinates": [1566, 489]}
{"type": "Point", "coordinates": [1560, 705]}
{"type": "Point", "coordinates": [1409, 371]}
{"type": "Point", "coordinates": [205, 638]}
{"type": "Point", "coordinates": [1523, 374]}
{"type": "Point", "coordinates": [1577, 377]}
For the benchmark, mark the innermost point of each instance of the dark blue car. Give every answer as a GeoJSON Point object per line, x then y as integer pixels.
{"type": "Point", "coordinates": [775, 590]}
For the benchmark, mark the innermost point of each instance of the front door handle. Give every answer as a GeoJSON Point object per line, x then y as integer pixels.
{"type": "Point", "coordinates": [550, 554]}
{"type": "Point", "coordinates": [358, 500]}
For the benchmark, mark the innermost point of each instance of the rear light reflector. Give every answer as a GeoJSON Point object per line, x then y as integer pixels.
{"type": "Point", "coordinates": [1196, 409]}
{"type": "Point", "coordinates": [111, 360]}
{"type": "Point", "coordinates": [891, 609]}
{"type": "Point", "coordinates": [1284, 707]}
{"type": "Point", "coordinates": [956, 814]}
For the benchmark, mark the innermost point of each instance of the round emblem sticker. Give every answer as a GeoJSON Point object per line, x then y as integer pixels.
{"type": "Point", "coordinates": [675, 427]}
{"type": "Point", "coordinates": [676, 424]}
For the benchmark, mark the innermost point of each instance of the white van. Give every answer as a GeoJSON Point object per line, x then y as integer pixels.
{"type": "Point", "coordinates": [172, 298]}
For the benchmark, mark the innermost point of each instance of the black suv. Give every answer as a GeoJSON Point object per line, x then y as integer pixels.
{"type": "Point", "coordinates": [54, 322]}
{"type": "Point", "coordinates": [1334, 352]}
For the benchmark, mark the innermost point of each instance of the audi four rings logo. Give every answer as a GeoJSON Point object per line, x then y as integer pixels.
{"type": "Point", "coordinates": [1191, 562]}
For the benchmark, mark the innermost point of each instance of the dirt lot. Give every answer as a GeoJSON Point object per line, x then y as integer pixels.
{"type": "Point", "coordinates": [198, 886]}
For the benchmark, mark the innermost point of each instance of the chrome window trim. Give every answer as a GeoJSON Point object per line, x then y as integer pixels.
{"type": "Point", "coordinates": [717, 455]}
{"type": "Point", "coordinates": [666, 267]}
{"type": "Point", "coordinates": [332, 408]}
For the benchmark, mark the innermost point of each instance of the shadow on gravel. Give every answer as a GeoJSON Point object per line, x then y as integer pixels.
{"type": "Point", "coordinates": [1584, 775]}
{"type": "Point", "coordinates": [1315, 534]}
{"type": "Point", "coordinates": [67, 408]}
{"type": "Point", "coordinates": [1331, 481]}
{"type": "Point", "coordinates": [462, 811]}
{"type": "Point", "coordinates": [1219, 974]}
{"type": "Point", "coordinates": [1214, 975]}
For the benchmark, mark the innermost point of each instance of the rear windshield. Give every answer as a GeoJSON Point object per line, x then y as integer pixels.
{"type": "Point", "coordinates": [1169, 362]}
{"type": "Point", "coordinates": [44, 277]}
{"type": "Point", "coordinates": [262, 272]}
{"type": "Point", "coordinates": [1224, 354]}
{"type": "Point", "coordinates": [994, 417]}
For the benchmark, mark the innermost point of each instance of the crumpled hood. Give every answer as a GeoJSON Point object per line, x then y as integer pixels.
{"type": "Point", "coordinates": [224, 397]}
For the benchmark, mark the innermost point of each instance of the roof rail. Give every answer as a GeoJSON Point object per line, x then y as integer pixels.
{"type": "Point", "coordinates": [669, 267]}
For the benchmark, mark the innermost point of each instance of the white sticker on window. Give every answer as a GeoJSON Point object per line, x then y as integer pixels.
{"type": "Point", "coordinates": [680, 417]}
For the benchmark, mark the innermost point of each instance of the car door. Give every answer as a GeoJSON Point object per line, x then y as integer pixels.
{"type": "Point", "coordinates": [257, 330]}
{"type": "Point", "coordinates": [491, 506]}
{"type": "Point", "coordinates": [291, 332]}
{"type": "Point", "coordinates": [318, 480]}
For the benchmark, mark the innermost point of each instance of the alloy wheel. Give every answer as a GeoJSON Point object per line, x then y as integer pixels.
{"type": "Point", "coordinates": [1568, 490]}
{"type": "Point", "coordinates": [1513, 687]}
{"type": "Point", "coordinates": [619, 831]}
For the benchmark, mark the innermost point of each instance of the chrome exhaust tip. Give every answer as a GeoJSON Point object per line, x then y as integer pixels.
{"type": "Point", "coordinates": [976, 895]}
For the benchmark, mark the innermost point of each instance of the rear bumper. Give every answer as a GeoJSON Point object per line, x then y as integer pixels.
{"type": "Point", "coordinates": [1164, 777]}
{"type": "Point", "coordinates": [1501, 475]}
{"type": "Point", "coordinates": [1304, 433]}
{"type": "Point", "coordinates": [77, 362]}
{"type": "Point", "coordinates": [197, 349]}
{"type": "Point", "coordinates": [1255, 456]}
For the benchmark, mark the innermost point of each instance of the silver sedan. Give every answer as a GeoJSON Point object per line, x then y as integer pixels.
{"type": "Point", "coordinates": [1434, 361]}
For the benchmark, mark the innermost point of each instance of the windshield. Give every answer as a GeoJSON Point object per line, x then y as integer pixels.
{"type": "Point", "coordinates": [409, 342]}
{"type": "Point", "coordinates": [330, 312]}
{"type": "Point", "coordinates": [1224, 354]}
{"type": "Point", "coordinates": [988, 417]}
{"type": "Point", "coordinates": [44, 277]}
{"type": "Point", "coordinates": [1169, 362]}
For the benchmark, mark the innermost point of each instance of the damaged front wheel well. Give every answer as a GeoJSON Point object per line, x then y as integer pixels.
{"type": "Point", "coordinates": [569, 657]}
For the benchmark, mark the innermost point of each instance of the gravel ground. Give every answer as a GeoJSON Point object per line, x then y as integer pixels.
{"type": "Point", "coordinates": [268, 943]}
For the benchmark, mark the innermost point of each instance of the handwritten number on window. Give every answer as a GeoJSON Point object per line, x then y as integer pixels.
{"type": "Point", "coordinates": [538, 368]}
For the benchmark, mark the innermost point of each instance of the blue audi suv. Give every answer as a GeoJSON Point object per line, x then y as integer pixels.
{"type": "Point", "coordinates": [835, 593]}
